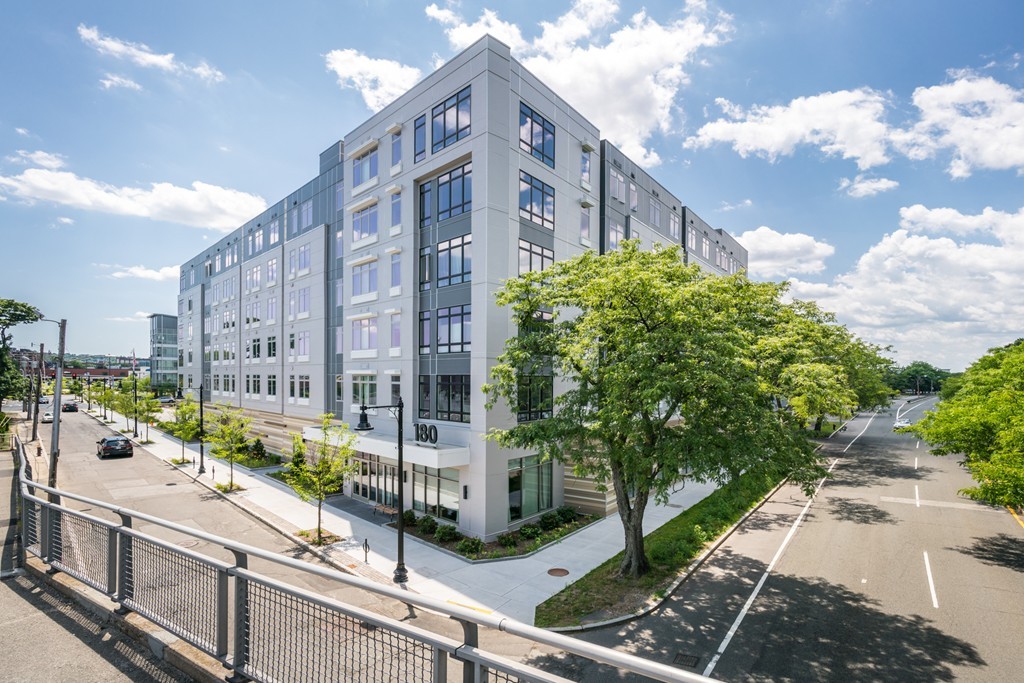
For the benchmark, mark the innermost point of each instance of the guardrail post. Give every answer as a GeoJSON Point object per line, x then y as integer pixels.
{"type": "Point", "coordinates": [125, 567]}
{"type": "Point", "coordinates": [43, 529]}
{"type": "Point", "coordinates": [471, 637]}
{"type": "Point", "coordinates": [241, 648]}
{"type": "Point", "coordinates": [440, 666]}
{"type": "Point", "coordinates": [222, 614]}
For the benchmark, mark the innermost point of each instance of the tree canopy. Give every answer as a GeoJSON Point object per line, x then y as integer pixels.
{"type": "Point", "coordinates": [984, 421]}
{"type": "Point", "coordinates": [665, 371]}
{"type": "Point", "coordinates": [316, 477]}
{"type": "Point", "coordinates": [12, 383]}
{"type": "Point", "coordinates": [918, 377]}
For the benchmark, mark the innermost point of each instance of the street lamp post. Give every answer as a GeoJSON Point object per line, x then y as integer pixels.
{"type": "Point", "coordinates": [135, 403]}
{"type": "Point", "coordinates": [401, 574]}
{"type": "Point", "coordinates": [88, 391]}
{"type": "Point", "coordinates": [202, 464]}
{"type": "Point", "coordinates": [55, 438]}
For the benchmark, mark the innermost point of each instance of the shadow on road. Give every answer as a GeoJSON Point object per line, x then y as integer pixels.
{"type": "Point", "coordinates": [799, 629]}
{"type": "Point", "coordinates": [1001, 550]}
{"type": "Point", "coordinates": [859, 512]}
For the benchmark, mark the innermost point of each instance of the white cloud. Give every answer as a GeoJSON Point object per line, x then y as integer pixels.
{"type": "Point", "coordinates": [461, 35]}
{"type": "Point", "coordinates": [138, 316]}
{"type": "Point", "coordinates": [847, 123]}
{"type": "Point", "coordinates": [22, 132]}
{"type": "Point", "coordinates": [918, 291]}
{"type": "Point", "coordinates": [977, 118]}
{"type": "Point", "coordinates": [142, 55]}
{"type": "Point", "coordinates": [862, 186]}
{"type": "Point", "coordinates": [774, 254]}
{"type": "Point", "coordinates": [379, 81]}
{"type": "Point", "coordinates": [64, 220]}
{"type": "Point", "coordinates": [745, 204]}
{"type": "Point", "coordinates": [38, 158]}
{"type": "Point", "coordinates": [115, 81]}
{"type": "Point", "coordinates": [203, 205]}
{"type": "Point", "coordinates": [165, 274]}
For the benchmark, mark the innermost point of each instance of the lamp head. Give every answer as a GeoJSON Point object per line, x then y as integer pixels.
{"type": "Point", "coordinates": [364, 422]}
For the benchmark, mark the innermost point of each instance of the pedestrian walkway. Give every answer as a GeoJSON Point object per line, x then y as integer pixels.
{"type": "Point", "coordinates": [511, 587]}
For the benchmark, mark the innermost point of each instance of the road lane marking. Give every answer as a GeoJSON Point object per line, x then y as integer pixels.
{"type": "Point", "coordinates": [918, 446]}
{"type": "Point", "coordinates": [915, 463]}
{"type": "Point", "coordinates": [764, 577]}
{"type": "Point", "coordinates": [1015, 515]}
{"type": "Point", "coordinates": [940, 504]}
{"type": "Point", "coordinates": [917, 496]}
{"type": "Point", "coordinates": [931, 583]}
{"type": "Point", "coordinates": [868, 424]}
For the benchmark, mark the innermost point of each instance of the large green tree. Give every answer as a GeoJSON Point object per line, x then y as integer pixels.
{"type": "Point", "coordinates": [984, 421]}
{"type": "Point", "coordinates": [655, 365]}
{"type": "Point", "coordinates": [12, 382]}
{"type": "Point", "coordinates": [918, 377]}
{"type": "Point", "coordinates": [186, 422]}
{"type": "Point", "coordinates": [316, 476]}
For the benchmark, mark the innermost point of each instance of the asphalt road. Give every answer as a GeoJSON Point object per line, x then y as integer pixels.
{"type": "Point", "coordinates": [890, 576]}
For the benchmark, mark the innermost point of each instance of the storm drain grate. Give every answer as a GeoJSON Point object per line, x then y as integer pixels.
{"type": "Point", "coordinates": [686, 660]}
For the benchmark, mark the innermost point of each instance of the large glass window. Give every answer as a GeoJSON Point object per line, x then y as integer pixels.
{"type": "Point", "coordinates": [364, 223]}
{"type": "Point", "coordinates": [436, 492]}
{"type": "Point", "coordinates": [450, 120]}
{"type": "Point", "coordinates": [536, 200]}
{"type": "Point", "coordinates": [396, 269]}
{"type": "Point", "coordinates": [454, 329]}
{"type": "Point", "coordinates": [616, 233]}
{"type": "Point", "coordinates": [364, 334]}
{"type": "Point", "coordinates": [396, 208]}
{"type": "Point", "coordinates": [424, 396]}
{"type": "Point", "coordinates": [529, 487]}
{"type": "Point", "coordinates": [424, 335]}
{"type": "Point", "coordinates": [396, 330]}
{"type": "Point", "coordinates": [426, 205]}
{"type": "Point", "coordinates": [617, 185]}
{"type": "Point", "coordinates": [455, 192]}
{"type": "Point", "coordinates": [673, 226]}
{"type": "Point", "coordinates": [454, 261]}
{"type": "Point", "coordinates": [364, 278]}
{"type": "Point", "coordinates": [536, 135]}
{"type": "Point", "coordinates": [419, 139]}
{"type": "Point", "coordinates": [396, 148]}
{"type": "Point", "coordinates": [536, 393]}
{"type": "Point", "coordinates": [364, 390]}
{"type": "Point", "coordinates": [425, 270]}
{"type": "Point", "coordinates": [533, 257]}
{"type": "Point", "coordinates": [305, 256]}
{"type": "Point", "coordinates": [453, 392]}
{"type": "Point", "coordinates": [364, 168]}
{"type": "Point", "coordinates": [585, 224]}
{"type": "Point", "coordinates": [655, 213]}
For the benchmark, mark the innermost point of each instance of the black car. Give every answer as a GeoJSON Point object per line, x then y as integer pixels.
{"type": "Point", "coordinates": [114, 445]}
{"type": "Point", "coordinates": [69, 408]}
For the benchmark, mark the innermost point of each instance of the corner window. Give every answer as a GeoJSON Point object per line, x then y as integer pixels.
{"type": "Point", "coordinates": [536, 135]}
{"type": "Point", "coordinates": [536, 200]}
{"type": "Point", "coordinates": [529, 487]}
{"type": "Point", "coordinates": [450, 120]}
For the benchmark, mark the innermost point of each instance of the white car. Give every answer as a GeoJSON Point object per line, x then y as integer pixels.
{"type": "Point", "coordinates": [901, 423]}
{"type": "Point", "coordinates": [47, 417]}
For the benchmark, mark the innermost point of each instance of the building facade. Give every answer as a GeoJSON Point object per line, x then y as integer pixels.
{"type": "Point", "coordinates": [163, 352]}
{"type": "Point", "coordinates": [376, 281]}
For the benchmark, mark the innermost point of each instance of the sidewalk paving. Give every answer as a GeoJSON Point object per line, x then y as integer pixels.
{"type": "Point", "coordinates": [511, 587]}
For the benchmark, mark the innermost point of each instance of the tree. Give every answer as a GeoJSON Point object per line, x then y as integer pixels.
{"type": "Point", "coordinates": [147, 408]}
{"type": "Point", "coordinates": [12, 382]}
{"type": "Point", "coordinates": [186, 422]}
{"type": "Point", "coordinates": [918, 377]}
{"type": "Point", "coordinates": [229, 439]}
{"type": "Point", "coordinates": [984, 421]}
{"type": "Point", "coordinates": [656, 363]}
{"type": "Point", "coordinates": [325, 473]}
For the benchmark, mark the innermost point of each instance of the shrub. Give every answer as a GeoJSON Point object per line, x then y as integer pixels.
{"type": "Point", "coordinates": [467, 546]}
{"type": "Point", "coordinates": [530, 531]}
{"type": "Point", "coordinates": [566, 515]}
{"type": "Point", "coordinates": [409, 518]}
{"type": "Point", "coordinates": [427, 525]}
{"type": "Point", "coordinates": [507, 540]}
{"type": "Point", "coordinates": [549, 521]}
{"type": "Point", "coordinates": [258, 451]}
{"type": "Point", "coordinates": [446, 533]}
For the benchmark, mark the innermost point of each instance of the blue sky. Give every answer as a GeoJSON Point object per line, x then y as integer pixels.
{"type": "Point", "coordinates": [871, 153]}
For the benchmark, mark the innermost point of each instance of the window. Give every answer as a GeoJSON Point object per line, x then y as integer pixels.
{"type": "Point", "coordinates": [256, 385]}
{"type": "Point", "coordinates": [339, 340]}
{"type": "Point", "coordinates": [291, 343]}
{"type": "Point", "coordinates": [364, 334]}
{"type": "Point", "coordinates": [655, 212]}
{"type": "Point", "coordinates": [291, 305]}
{"type": "Point", "coordinates": [303, 343]}
{"type": "Point", "coordinates": [419, 139]}
{"type": "Point", "coordinates": [364, 390]}
{"type": "Point", "coordinates": [436, 492]}
{"type": "Point", "coordinates": [256, 348]}
{"type": "Point", "coordinates": [616, 233]}
{"type": "Point", "coordinates": [396, 270]}
{"type": "Point", "coordinates": [364, 168]}
{"type": "Point", "coordinates": [535, 397]}
{"type": "Point", "coordinates": [536, 135]}
{"type": "Point", "coordinates": [455, 192]}
{"type": "Point", "coordinates": [307, 213]}
{"type": "Point", "coordinates": [454, 329]}
{"type": "Point", "coordinates": [691, 238]}
{"type": "Point", "coordinates": [673, 226]}
{"type": "Point", "coordinates": [424, 268]}
{"type": "Point", "coordinates": [424, 331]}
{"type": "Point", "coordinates": [529, 487]}
{"type": "Point", "coordinates": [304, 386]}
{"type": "Point", "coordinates": [396, 330]}
{"type": "Point", "coordinates": [585, 167]}
{"type": "Point", "coordinates": [424, 396]}
{"type": "Point", "coordinates": [426, 205]}
{"type": "Point", "coordinates": [304, 301]}
{"type": "Point", "coordinates": [291, 387]}
{"type": "Point", "coordinates": [272, 347]}
{"type": "Point", "coordinates": [705, 250]}
{"type": "Point", "coordinates": [585, 224]}
{"type": "Point", "coordinates": [339, 388]}
{"type": "Point", "coordinates": [293, 263]}
{"type": "Point", "coordinates": [396, 148]}
{"type": "Point", "coordinates": [396, 209]}
{"type": "Point", "coordinates": [450, 120]}
{"type": "Point", "coordinates": [271, 386]}
{"type": "Point", "coordinates": [272, 309]}
{"type": "Point", "coordinates": [339, 197]}
{"type": "Point", "coordinates": [275, 232]}
{"type": "Point", "coordinates": [617, 185]}
{"type": "Point", "coordinates": [364, 279]}
{"type": "Point", "coordinates": [454, 261]}
{"type": "Point", "coordinates": [634, 198]}
{"type": "Point", "coordinates": [272, 271]}
{"type": "Point", "coordinates": [364, 223]}
{"type": "Point", "coordinates": [453, 392]}
{"type": "Point", "coordinates": [536, 200]}
{"type": "Point", "coordinates": [305, 256]}
{"type": "Point", "coordinates": [396, 389]}
{"type": "Point", "coordinates": [533, 257]}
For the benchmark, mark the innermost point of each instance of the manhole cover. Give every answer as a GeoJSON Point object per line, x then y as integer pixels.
{"type": "Point", "coordinates": [558, 571]}
{"type": "Point", "coordinates": [686, 660]}
{"type": "Point", "coordinates": [189, 543]}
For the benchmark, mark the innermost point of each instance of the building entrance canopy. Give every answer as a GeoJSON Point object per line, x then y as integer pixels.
{"type": "Point", "coordinates": [437, 456]}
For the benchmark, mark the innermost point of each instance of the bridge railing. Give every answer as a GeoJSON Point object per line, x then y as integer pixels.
{"type": "Point", "coordinates": [267, 630]}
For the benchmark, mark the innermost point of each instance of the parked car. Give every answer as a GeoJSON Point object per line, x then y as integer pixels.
{"type": "Point", "coordinates": [901, 423]}
{"type": "Point", "coordinates": [69, 408]}
{"type": "Point", "coordinates": [114, 445]}
{"type": "Point", "coordinates": [43, 400]}
{"type": "Point", "coordinates": [47, 417]}
{"type": "Point", "coordinates": [166, 400]}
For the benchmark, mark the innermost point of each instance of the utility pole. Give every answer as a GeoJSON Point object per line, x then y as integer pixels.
{"type": "Point", "coordinates": [39, 388]}
{"type": "Point", "coordinates": [55, 440]}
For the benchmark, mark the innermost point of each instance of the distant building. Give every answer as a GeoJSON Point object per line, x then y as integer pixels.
{"type": "Point", "coordinates": [163, 352]}
{"type": "Point", "coordinates": [376, 280]}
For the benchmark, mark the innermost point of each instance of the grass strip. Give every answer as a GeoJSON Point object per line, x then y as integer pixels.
{"type": "Point", "coordinates": [603, 594]}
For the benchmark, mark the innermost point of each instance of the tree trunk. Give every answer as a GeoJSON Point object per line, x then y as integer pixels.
{"type": "Point", "coordinates": [634, 559]}
{"type": "Point", "coordinates": [818, 423]}
{"type": "Point", "coordinates": [319, 523]}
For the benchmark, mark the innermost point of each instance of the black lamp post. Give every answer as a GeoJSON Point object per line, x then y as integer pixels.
{"type": "Point", "coordinates": [88, 390]}
{"type": "Point", "coordinates": [202, 465]}
{"type": "Point", "coordinates": [401, 575]}
{"type": "Point", "coordinates": [135, 403]}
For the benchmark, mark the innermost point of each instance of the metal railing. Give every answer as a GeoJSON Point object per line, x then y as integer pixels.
{"type": "Point", "coordinates": [267, 630]}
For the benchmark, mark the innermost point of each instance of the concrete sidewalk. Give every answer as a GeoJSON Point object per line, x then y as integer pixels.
{"type": "Point", "coordinates": [512, 587]}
